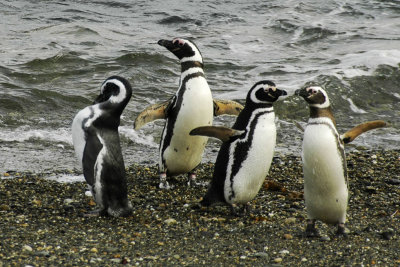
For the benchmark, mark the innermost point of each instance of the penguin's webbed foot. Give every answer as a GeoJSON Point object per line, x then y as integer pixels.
{"type": "Point", "coordinates": [311, 231]}
{"type": "Point", "coordinates": [163, 181]}
{"type": "Point", "coordinates": [96, 213]}
{"type": "Point", "coordinates": [164, 185]}
{"type": "Point", "coordinates": [191, 178]}
{"type": "Point", "coordinates": [342, 230]}
{"type": "Point", "coordinates": [240, 212]}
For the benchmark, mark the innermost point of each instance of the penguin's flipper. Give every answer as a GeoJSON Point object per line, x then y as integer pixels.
{"type": "Point", "coordinates": [90, 153]}
{"type": "Point", "coordinates": [220, 132]}
{"type": "Point", "coordinates": [151, 113]}
{"type": "Point", "coordinates": [350, 135]}
{"type": "Point", "coordinates": [227, 107]}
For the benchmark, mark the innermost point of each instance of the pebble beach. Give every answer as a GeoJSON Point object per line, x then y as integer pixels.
{"type": "Point", "coordinates": [43, 222]}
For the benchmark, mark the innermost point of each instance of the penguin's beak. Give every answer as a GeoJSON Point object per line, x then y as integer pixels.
{"type": "Point", "coordinates": [283, 92]}
{"type": "Point", "coordinates": [166, 43]}
{"type": "Point", "coordinates": [301, 92]}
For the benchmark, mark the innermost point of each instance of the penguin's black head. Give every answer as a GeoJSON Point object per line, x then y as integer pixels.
{"type": "Point", "coordinates": [315, 96]}
{"type": "Point", "coordinates": [116, 90]}
{"type": "Point", "coordinates": [185, 50]}
{"type": "Point", "coordinates": [264, 92]}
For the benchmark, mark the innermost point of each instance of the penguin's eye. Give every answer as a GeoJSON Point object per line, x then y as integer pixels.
{"type": "Point", "coordinates": [178, 42]}
{"type": "Point", "coordinates": [312, 91]}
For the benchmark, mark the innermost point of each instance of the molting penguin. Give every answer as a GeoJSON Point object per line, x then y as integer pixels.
{"type": "Point", "coordinates": [246, 153]}
{"type": "Point", "coordinates": [324, 164]}
{"type": "Point", "coordinates": [97, 147]}
{"type": "Point", "coordinates": [192, 106]}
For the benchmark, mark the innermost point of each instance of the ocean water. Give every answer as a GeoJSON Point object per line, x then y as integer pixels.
{"type": "Point", "coordinates": [54, 55]}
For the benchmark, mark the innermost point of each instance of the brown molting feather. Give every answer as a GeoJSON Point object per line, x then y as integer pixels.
{"type": "Point", "coordinates": [322, 112]}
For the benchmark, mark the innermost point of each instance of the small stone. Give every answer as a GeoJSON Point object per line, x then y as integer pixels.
{"type": "Point", "coordinates": [170, 221]}
{"type": "Point", "coordinates": [88, 194]}
{"type": "Point", "coordinates": [393, 181]}
{"type": "Point", "coordinates": [37, 202]}
{"type": "Point", "coordinates": [94, 250]}
{"type": "Point", "coordinates": [287, 236]}
{"type": "Point", "coordinates": [278, 260]}
{"type": "Point", "coordinates": [303, 259]}
{"type": "Point", "coordinates": [43, 253]}
{"type": "Point", "coordinates": [4, 207]}
{"type": "Point", "coordinates": [261, 255]}
{"type": "Point", "coordinates": [177, 257]}
{"type": "Point", "coordinates": [27, 248]}
{"type": "Point", "coordinates": [284, 252]}
{"type": "Point", "coordinates": [290, 220]}
{"type": "Point", "coordinates": [387, 235]}
{"type": "Point", "coordinates": [68, 201]}
{"type": "Point", "coordinates": [325, 238]}
{"type": "Point", "coordinates": [6, 174]}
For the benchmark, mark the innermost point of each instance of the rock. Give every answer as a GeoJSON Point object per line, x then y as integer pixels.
{"type": "Point", "coordinates": [170, 221]}
{"type": "Point", "coordinates": [325, 238]}
{"type": "Point", "coordinates": [393, 181]}
{"type": "Point", "coordinates": [278, 260]}
{"type": "Point", "coordinates": [4, 207]}
{"type": "Point", "coordinates": [287, 236]}
{"type": "Point", "coordinates": [27, 248]}
{"type": "Point", "coordinates": [370, 189]}
{"type": "Point", "coordinates": [290, 220]}
{"type": "Point", "coordinates": [261, 255]}
{"type": "Point", "coordinates": [68, 201]}
{"type": "Point", "coordinates": [284, 252]}
{"type": "Point", "coordinates": [387, 235]}
{"type": "Point", "coordinates": [94, 250]}
{"type": "Point", "coordinates": [43, 253]}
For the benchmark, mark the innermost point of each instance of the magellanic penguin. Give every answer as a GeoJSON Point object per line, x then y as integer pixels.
{"type": "Point", "coordinates": [324, 162]}
{"type": "Point", "coordinates": [246, 153]}
{"type": "Point", "coordinates": [97, 147]}
{"type": "Point", "coordinates": [192, 106]}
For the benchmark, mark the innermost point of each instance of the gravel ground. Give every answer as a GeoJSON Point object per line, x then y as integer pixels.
{"type": "Point", "coordinates": [42, 222]}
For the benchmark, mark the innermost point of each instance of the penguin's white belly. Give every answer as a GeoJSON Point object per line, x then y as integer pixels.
{"type": "Point", "coordinates": [87, 116]}
{"type": "Point", "coordinates": [78, 134]}
{"type": "Point", "coordinates": [253, 170]}
{"type": "Point", "coordinates": [185, 152]}
{"type": "Point", "coordinates": [325, 188]}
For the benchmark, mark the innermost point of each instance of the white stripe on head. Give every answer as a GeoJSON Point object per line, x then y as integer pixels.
{"type": "Point", "coordinates": [262, 86]}
{"type": "Point", "coordinates": [319, 89]}
{"type": "Point", "coordinates": [122, 91]}
{"type": "Point", "coordinates": [197, 56]}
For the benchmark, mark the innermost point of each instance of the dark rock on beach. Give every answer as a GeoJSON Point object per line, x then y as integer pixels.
{"type": "Point", "coordinates": [43, 224]}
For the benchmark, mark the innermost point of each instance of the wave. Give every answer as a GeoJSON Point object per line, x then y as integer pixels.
{"type": "Point", "coordinates": [62, 137]}
{"type": "Point", "coordinates": [179, 20]}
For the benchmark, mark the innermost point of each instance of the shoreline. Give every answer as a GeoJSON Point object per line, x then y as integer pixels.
{"type": "Point", "coordinates": [43, 224]}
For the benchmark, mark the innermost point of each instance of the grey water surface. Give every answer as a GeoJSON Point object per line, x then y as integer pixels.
{"type": "Point", "coordinates": [54, 55]}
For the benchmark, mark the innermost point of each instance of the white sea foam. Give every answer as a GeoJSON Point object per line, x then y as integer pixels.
{"type": "Point", "coordinates": [63, 135]}
{"type": "Point", "coordinates": [25, 133]}
{"type": "Point", "coordinates": [357, 64]}
{"type": "Point", "coordinates": [138, 137]}
{"type": "Point", "coordinates": [353, 107]}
